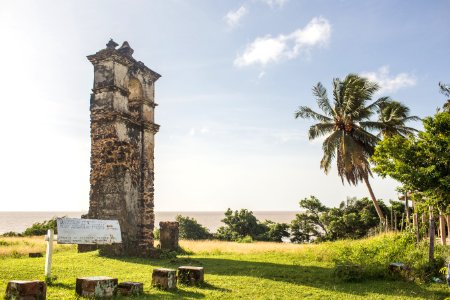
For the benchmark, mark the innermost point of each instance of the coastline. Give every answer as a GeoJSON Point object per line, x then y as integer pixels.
{"type": "Point", "coordinates": [18, 221]}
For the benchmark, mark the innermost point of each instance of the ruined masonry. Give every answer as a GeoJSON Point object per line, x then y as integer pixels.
{"type": "Point", "coordinates": [122, 145]}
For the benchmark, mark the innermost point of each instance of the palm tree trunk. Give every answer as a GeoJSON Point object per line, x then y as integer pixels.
{"type": "Point", "coordinates": [374, 200]}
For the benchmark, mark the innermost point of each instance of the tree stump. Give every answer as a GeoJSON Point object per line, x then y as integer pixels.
{"type": "Point", "coordinates": [190, 275]}
{"type": "Point", "coordinates": [97, 286]}
{"type": "Point", "coordinates": [26, 290]}
{"type": "Point", "coordinates": [164, 278]}
{"type": "Point", "coordinates": [130, 288]}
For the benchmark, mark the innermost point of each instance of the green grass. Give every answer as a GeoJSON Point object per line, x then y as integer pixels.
{"type": "Point", "coordinates": [232, 271]}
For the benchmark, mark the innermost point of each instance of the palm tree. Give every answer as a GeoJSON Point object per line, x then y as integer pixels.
{"type": "Point", "coordinates": [445, 89]}
{"type": "Point", "coordinates": [393, 115]}
{"type": "Point", "coordinates": [345, 122]}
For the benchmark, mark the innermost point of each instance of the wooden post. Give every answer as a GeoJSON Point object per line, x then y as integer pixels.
{"type": "Point", "coordinates": [401, 224]}
{"type": "Point", "coordinates": [395, 222]}
{"type": "Point", "coordinates": [448, 227]}
{"type": "Point", "coordinates": [407, 208]}
{"type": "Point", "coordinates": [431, 233]}
{"type": "Point", "coordinates": [416, 226]}
{"type": "Point", "coordinates": [442, 228]}
{"type": "Point", "coordinates": [424, 222]}
{"type": "Point", "coordinates": [392, 219]}
{"type": "Point", "coordinates": [49, 253]}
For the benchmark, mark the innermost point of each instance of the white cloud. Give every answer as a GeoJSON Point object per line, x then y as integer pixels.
{"type": "Point", "coordinates": [194, 131]}
{"type": "Point", "coordinates": [388, 82]}
{"type": "Point", "coordinates": [233, 18]}
{"type": "Point", "coordinates": [264, 50]}
{"type": "Point", "coordinates": [275, 3]}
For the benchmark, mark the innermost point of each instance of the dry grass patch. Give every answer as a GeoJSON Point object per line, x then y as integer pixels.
{"type": "Point", "coordinates": [20, 246]}
{"type": "Point", "coordinates": [218, 247]}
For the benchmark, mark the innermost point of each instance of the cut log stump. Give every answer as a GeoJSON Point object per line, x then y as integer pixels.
{"type": "Point", "coordinates": [164, 278]}
{"type": "Point", "coordinates": [97, 286]}
{"type": "Point", "coordinates": [130, 288]}
{"type": "Point", "coordinates": [26, 290]}
{"type": "Point", "coordinates": [35, 254]}
{"type": "Point", "coordinates": [190, 275]}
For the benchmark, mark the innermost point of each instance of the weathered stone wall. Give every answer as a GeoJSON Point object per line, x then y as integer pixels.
{"type": "Point", "coordinates": [122, 147]}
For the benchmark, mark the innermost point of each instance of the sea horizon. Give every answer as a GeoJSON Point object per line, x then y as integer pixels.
{"type": "Point", "coordinates": [18, 221]}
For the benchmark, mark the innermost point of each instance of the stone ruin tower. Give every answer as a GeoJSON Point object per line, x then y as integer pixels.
{"type": "Point", "coordinates": [122, 146]}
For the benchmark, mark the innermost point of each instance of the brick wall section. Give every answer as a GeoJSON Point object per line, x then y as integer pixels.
{"type": "Point", "coordinates": [122, 147]}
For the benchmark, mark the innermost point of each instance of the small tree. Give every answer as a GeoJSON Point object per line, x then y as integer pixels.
{"type": "Point", "coordinates": [352, 219]}
{"type": "Point", "coordinates": [243, 224]}
{"type": "Point", "coordinates": [275, 232]}
{"type": "Point", "coordinates": [421, 164]}
{"type": "Point", "coordinates": [190, 229]}
{"type": "Point", "coordinates": [308, 225]}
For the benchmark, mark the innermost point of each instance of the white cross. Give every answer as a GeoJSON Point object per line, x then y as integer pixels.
{"type": "Point", "coordinates": [49, 253]}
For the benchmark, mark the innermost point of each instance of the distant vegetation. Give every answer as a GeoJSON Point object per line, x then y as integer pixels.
{"type": "Point", "coordinates": [353, 219]}
{"type": "Point", "coordinates": [242, 226]}
{"type": "Point", "coordinates": [190, 229]}
{"type": "Point", "coordinates": [35, 229]}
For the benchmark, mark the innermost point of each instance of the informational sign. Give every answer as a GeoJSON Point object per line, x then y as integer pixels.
{"type": "Point", "coordinates": [88, 231]}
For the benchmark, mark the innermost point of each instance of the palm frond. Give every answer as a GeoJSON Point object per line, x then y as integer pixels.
{"type": "Point", "coordinates": [372, 125]}
{"type": "Point", "coordinates": [412, 118]}
{"type": "Point", "coordinates": [444, 89]}
{"type": "Point", "coordinates": [307, 113]}
{"type": "Point", "coordinates": [352, 159]}
{"type": "Point", "coordinates": [329, 147]}
{"type": "Point", "coordinates": [367, 139]}
{"type": "Point", "coordinates": [320, 129]}
{"type": "Point", "coordinates": [379, 103]}
{"type": "Point", "coordinates": [322, 99]}
{"type": "Point", "coordinates": [337, 95]}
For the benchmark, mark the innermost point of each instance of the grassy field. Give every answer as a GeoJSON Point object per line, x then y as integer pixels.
{"type": "Point", "coordinates": [232, 271]}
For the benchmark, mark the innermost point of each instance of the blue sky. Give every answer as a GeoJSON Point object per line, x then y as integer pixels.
{"type": "Point", "coordinates": [233, 73]}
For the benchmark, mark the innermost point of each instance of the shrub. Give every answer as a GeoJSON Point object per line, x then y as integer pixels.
{"type": "Point", "coordinates": [274, 232]}
{"type": "Point", "coordinates": [353, 219]}
{"type": "Point", "coordinates": [348, 272]}
{"type": "Point", "coordinates": [156, 234]}
{"type": "Point", "coordinates": [190, 229]}
{"type": "Point", "coordinates": [41, 228]}
{"type": "Point", "coordinates": [11, 234]}
{"type": "Point", "coordinates": [374, 256]}
{"type": "Point", "coordinates": [242, 224]}
{"type": "Point", "coordinates": [246, 239]}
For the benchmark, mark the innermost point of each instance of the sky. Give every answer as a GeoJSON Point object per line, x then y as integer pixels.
{"type": "Point", "coordinates": [233, 74]}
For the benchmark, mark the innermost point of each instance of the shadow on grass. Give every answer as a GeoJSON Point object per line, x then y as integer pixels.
{"type": "Point", "coordinates": [312, 276]}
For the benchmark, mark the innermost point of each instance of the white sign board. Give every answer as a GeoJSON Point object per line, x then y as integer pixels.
{"type": "Point", "coordinates": [88, 231]}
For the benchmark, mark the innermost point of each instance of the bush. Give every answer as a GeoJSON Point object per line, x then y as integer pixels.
{"type": "Point", "coordinates": [353, 219]}
{"type": "Point", "coordinates": [190, 229]}
{"type": "Point", "coordinates": [12, 234]}
{"type": "Point", "coordinates": [41, 228]}
{"type": "Point", "coordinates": [246, 239]}
{"type": "Point", "coordinates": [242, 224]}
{"type": "Point", "coordinates": [374, 256]}
{"type": "Point", "coordinates": [156, 234]}
{"type": "Point", "coordinates": [275, 232]}
{"type": "Point", "coordinates": [348, 272]}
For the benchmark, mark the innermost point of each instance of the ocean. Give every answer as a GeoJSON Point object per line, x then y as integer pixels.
{"type": "Point", "coordinates": [19, 221]}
